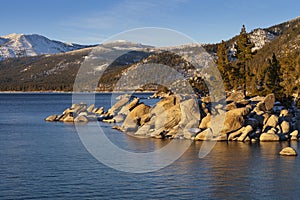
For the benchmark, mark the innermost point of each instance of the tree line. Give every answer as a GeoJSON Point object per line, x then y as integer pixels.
{"type": "Point", "coordinates": [279, 75]}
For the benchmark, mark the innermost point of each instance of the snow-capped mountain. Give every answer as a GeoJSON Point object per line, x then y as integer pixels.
{"type": "Point", "coordinates": [260, 38]}
{"type": "Point", "coordinates": [124, 45]}
{"type": "Point", "coordinates": [20, 45]}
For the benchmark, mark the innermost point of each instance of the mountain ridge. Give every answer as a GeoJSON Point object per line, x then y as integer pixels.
{"type": "Point", "coordinates": [22, 45]}
{"type": "Point", "coordinates": [58, 71]}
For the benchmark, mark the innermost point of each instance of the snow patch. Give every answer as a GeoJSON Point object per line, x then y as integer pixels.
{"type": "Point", "coordinates": [20, 45]}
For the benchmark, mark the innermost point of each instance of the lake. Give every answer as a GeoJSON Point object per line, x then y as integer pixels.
{"type": "Point", "coordinates": [42, 160]}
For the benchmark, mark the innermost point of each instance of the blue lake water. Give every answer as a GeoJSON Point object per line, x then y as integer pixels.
{"type": "Point", "coordinates": [40, 160]}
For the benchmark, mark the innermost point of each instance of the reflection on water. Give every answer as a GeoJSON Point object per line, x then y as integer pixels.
{"type": "Point", "coordinates": [47, 160]}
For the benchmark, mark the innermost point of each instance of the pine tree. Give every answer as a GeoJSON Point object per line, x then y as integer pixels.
{"type": "Point", "coordinates": [272, 77]}
{"type": "Point", "coordinates": [290, 75]}
{"type": "Point", "coordinates": [224, 65]}
{"type": "Point", "coordinates": [243, 54]}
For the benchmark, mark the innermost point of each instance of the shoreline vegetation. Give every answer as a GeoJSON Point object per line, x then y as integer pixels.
{"type": "Point", "coordinates": [185, 117]}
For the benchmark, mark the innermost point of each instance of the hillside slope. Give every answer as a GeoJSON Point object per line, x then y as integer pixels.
{"type": "Point", "coordinates": [21, 45]}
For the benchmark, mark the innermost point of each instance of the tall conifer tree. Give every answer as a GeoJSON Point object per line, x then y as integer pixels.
{"type": "Point", "coordinates": [224, 65]}
{"type": "Point", "coordinates": [243, 53]}
{"type": "Point", "coordinates": [272, 77]}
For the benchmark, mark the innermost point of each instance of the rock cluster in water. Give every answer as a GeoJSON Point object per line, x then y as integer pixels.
{"type": "Point", "coordinates": [78, 113]}
{"type": "Point", "coordinates": [183, 117]}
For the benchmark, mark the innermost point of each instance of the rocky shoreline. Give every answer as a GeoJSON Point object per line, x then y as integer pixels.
{"type": "Point", "coordinates": [182, 117]}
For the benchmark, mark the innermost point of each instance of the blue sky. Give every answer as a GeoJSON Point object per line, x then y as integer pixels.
{"type": "Point", "coordinates": [93, 21]}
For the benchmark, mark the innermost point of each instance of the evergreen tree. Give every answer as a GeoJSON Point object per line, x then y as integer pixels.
{"type": "Point", "coordinates": [272, 77]}
{"type": "Point", "coordinates": [224, 65]}
{"type": "Point", "coordinates": [290, 75]}
{"type": "Point", "coordinates": [243, 54]}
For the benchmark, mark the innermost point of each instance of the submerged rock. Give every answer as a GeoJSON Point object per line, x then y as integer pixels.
{"type": "Point", "coordinates": [288, 151]}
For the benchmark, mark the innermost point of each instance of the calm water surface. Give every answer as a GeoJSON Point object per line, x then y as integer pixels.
{"type": "Point", "coordinates": [40, 160]}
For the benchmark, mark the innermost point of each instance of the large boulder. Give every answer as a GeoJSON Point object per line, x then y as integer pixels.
{"type": "Point", "coordinates": [268, 137]}
{"type": "Point", "coordinates": [83, 114]}
{"type": "Point", "coordinates": [284, 113]}
{"type": "Point", "coordinates": [68, 118]}
{"type": "Point", "coordinates": [260, 107]}
{"type": "Point", "coordinates": [98, 111]}
{"type": "Point", "coordinates": [165, 104]}
{"type": "Point", "coordinates": [90, 108]}
{"type": "Point", "coordinates": [267, 104]}
{"type": "Point", "coordinates": [209, 135]}
{"type": "Point", "coordinates": [233, 135]}
{"type": "Point", "coordinates": [205, 135]}
{"type": "Point", "coordinates": [248, 129]}
{"type": "Point", "coordinates": [231, 106]}
{"type": "Point", "coordinates": [61, 117]}
{"type": "Point", "coordinates": [76, 108]}
{"type": "Point", "coordinates": [81, 118]}
{"type": "Point", "coordinates": [169, 118]}
{"type": "Point", "coordinates": [270, 122]}
{"type": "Point", "coordinates": [288, 151]}
{"type": "Point", "coordinates": [117, 106]}
{"type": "Point", "coordinates": [137, 117]}
{"type": "Point", "coordinates": [126, 109]}
{"type": "Point", "coordinates": [285, 127]}
{"type": "Point", "coordinates": [294, 135]}
{"type": "Point", "coordinates": [243, 103]}
{"type": "Point", "coordinates": [234, 119]}
{"type": "Point", "coordinates": [205, 122]}
{"type": "Point", "coordinates": [190, 116]}
{"type": "Point", "coordinates": [144, 130]}
{"type": "Point", "coordinates": [119, 118]}
{"type": "Point", "coordinates": [269, 101]}
{"type": "Point", "coordinates": [165, 115]}
{"type": "Point", "coordinates": [51, 118]}
{"type": "Point", "coordinates": [232, 123]}
{"type": "Point", "coordinates": [236, 96]}
{"type": "Point", "coordinates": [133, 103]}
{"type": "Point", "coordinates": [240, 111]}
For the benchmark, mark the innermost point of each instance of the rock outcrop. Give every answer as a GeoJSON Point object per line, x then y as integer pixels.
{"type": "Point", "coordinates": [184, 117]}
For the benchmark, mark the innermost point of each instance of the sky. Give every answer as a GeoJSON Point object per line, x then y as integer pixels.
{"type": "Point", "coordinates": [94, 21]}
